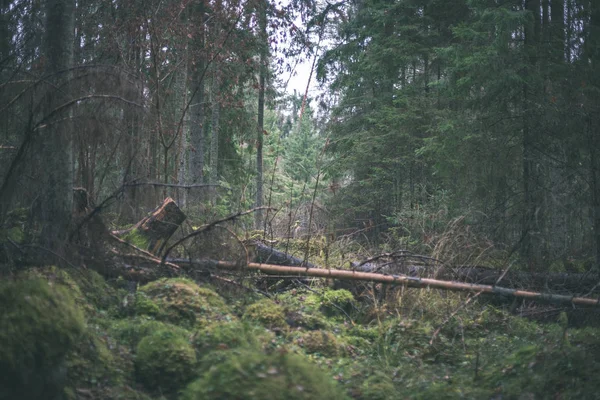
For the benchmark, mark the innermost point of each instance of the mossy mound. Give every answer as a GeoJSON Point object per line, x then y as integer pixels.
{"type": "Point", "coordinates": [267, 313]}
{"type": "Point", "coordinates": [310, 321]}
{"type": "Point", "coordinates": [87, 287]}
{"type": "Point", "coordinates": [165, 361]}
{"type": "Point", "coordinates": [321, 342]}
{"type": "Point", "coordinates": [251, 374]}
{"type": "Point", "coordinates": [402, 340]}
{"type": "Point", "coordinates": [535, 372]}
{"type": "Point", "coordinates": [97, 363]}
{"type": "Point", "coordinates": [224, 335]}
{"type": "Point", "coordinates": [181, 302]}
{"type": "Point", "coordinates": [131, 331]}
{"type": "Point", "coordinates": [332, 302]}
{"type": "Point", "coordinates": [39, 325]}
{"type": "Point", "coordinates": [378, 387]}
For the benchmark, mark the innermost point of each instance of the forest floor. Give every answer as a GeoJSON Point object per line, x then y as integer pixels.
{"type": "Point", "coordinates": [69, 333]}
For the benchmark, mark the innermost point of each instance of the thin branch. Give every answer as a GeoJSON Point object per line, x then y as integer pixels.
{"type": "Point", "coordinates": [170, 185]}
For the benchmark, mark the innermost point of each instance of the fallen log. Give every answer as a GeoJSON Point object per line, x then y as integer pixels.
{"type": "Point", "coordinates": [394, 280]}
{"type": "Point", "coordinates": [268, 255]}
{"type": "Point", "coordinates": [153, 231]}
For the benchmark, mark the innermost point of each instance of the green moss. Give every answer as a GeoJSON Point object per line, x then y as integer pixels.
{"type": "Point", "coordinates": [221, 334]}
{"type": "Point", "coordinates": [14, 226]}
{"type": "Point", "coordinates": [131, 331]}
{"type": "Point", "coordinates": [250, 374]}
{"type": "Point", "coordinates": [557, 266]}
{"type": "Point", "coordinates": [182, 302]}
{"type": "Point", "coordinates": [137, 239]}
{"type": "Point", "coordinates": [88, 288]}
{"type": "Point", "coordinates": [331, 301]}
{"type": "Point", "coordinates": [321, 342]}
{"type": "Point", "coordinates": [97, 358]}
{"type": "Point", "coordinates": [165, 361]}
{"type": "Point", "coordinates": [308, 320]}
{"type": "Point", "coordinates": [39, 325]}
{"type": "Point", "coordinates": [144, 305]}
{"type": "Point", "coordinates": [378, 387]}
{"type": "Point", "coordinates": [267, 313]}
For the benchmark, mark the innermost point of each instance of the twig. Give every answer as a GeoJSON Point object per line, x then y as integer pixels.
{"type": "Point", "coordinates": [170, 185]}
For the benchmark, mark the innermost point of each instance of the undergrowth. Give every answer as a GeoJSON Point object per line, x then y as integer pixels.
{"type": "Point", "coordinates": [180, 339]}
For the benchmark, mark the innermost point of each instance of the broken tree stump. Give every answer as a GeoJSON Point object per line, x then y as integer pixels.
{"type": "Point", "coordinates": [153, 231]}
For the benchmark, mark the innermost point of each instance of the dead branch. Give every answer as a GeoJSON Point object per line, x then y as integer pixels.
{"type": "Point", "coordinates": [406, 281]}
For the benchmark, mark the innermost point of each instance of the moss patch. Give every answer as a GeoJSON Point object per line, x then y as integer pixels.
{"type": "Point", "coordinates": [137, 239]}
{"type": "Point", "coordinates": [39, 325]}
{"type": "Point", "coordinates": [321, 342]}
{"type": "Point", "coordinates": [165, 361]}
{"type": "Point", "coordinates": [182, 302]}
{"type": "Point", "coordinates": [87, 287]}
{"type": "Point", "coordinates": [250, 374]}
{"type": "Point", "coordinates": [332, 302]}
{"type": "Point", "coordinates": [267, 313]}
{"type": "Point", "coordinates": [132, 330]}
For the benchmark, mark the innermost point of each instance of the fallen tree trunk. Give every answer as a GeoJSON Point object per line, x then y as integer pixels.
{"type": "Point", "coordinates": [394, 280]}
{"type": "Point", "coordinates": [554, 281]}
{"type": "Point", "coordinates": [269, 255]}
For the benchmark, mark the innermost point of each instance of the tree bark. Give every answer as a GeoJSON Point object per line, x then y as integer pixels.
{"type": "Point", "coordinates": [214, 137]}
{"type": "Point", "coordinates": [197, 104]}
{"type": "Point", "coordinates": [262, 18]}
{"type": "Point", "coordinates": [54, 144]}
{"type": "Point", "coordinates": [532, 209]}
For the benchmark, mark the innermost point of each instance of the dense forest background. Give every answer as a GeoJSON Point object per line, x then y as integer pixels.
{"type": "Point", "coordinates": [476, 118]}
{"type": "Point", "coordinates": [175, 223]}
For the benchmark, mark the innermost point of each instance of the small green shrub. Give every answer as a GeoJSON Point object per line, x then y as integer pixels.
{"type": "Point", "coordinates": [165, 361]}
{"type": "Point", "coordinates": [254, 375]}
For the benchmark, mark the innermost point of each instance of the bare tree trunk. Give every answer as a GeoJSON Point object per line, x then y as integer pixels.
{"type": "Point", "coordinates": [593, 52]}
{"type": "Point", "coordinates": [531, 209]}
{"type": "Point", "coordinates": [53, 146]}
{"type": "Point", "coordinates": [197, 107]}
{"type": "Point", "coordinates": [262, 18]}
{"type": "Point", "coordinates": [214, 137]}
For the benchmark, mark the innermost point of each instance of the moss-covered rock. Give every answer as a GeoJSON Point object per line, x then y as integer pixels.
{"type": "Point", "coordinates": [39, 325]}
{"type": "Point", "coordinates": [222, 334]}
{"type": "Point", "coordinates": [321, 342]}
{"type": "Point", "coordinates": [96, 360]}
{"type": "Point", "coordinates": [267, 313]}
{"type": "Point", "coordinates": [87, 287]}
{"type": "Point", "coordinates": [181, 302]}
{"type": "Point", "coordinates": [131, 331]}
{"type": "Point", "coordinates": [145, 306]}
{"type": "Point", "coordinates": [250, 374]}
{"type": "Point", "coordinates": [165, 361]}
